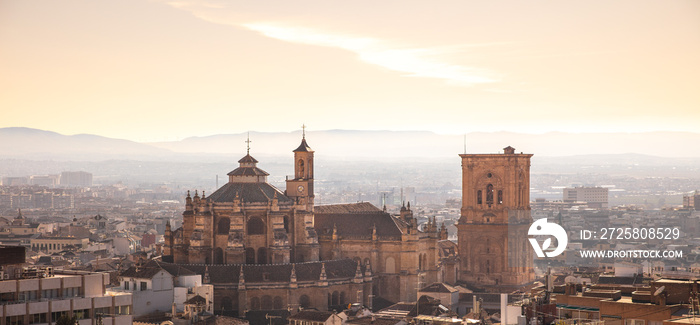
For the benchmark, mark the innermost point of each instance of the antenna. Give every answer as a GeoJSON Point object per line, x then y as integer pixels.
{"type": "Point", "coordinates": [465, 143]}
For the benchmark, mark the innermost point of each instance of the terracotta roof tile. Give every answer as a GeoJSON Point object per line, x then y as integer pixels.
{"type": "Point", "coordinates": [355, 221]}
{"type": "Point", "coordinates": [258, 273]}
{"type": "Point", "coordinates": [303, 147]}
{"type": "Point", "coordinates": [248, 171]}
{"type": "Point", "coordinates": [248, 159]}
{"type": "Point", "coordinates": [312, 315]}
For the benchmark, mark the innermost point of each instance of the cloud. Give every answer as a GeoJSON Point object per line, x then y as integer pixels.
{"type": "Point", "coordinates": [418, 62]}
{"type": "Point", "coordinates": [413, 62]}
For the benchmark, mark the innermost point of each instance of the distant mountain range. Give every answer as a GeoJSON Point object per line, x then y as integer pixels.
{"type": "Point", "coordinates": [27, 143]}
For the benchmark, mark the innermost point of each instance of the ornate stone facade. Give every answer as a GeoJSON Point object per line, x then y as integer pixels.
{"type": "Point", "coordinates": [403, 257]}
{"type": "Point", "coordinates": [286, 252]}
{"type": "Point", "coordinates": [495, 216]}
{"type": "Point", "coordinates": [249, 221]}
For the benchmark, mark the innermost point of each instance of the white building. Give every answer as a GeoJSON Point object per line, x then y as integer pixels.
{"type": "Point", "coordinates": [41, 296]}
{"type": "Point", "coordinates": [155, 288]}
{"type": "Point", "coordinates": [595, 197]}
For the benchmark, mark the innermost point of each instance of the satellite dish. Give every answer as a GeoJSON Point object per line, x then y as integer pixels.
{"type": "Point", "coordinates": [659, 290]}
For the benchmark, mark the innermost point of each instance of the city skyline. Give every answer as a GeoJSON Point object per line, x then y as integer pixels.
{"type": "Point", "coordinates": [168, 70]}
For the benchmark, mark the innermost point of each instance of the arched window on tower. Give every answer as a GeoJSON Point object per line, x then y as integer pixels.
{"type": "Point", "coordinates": [500, 196]}
{"type": "Point", "coordinates": [478, 197]}
{"type": "Point", "coordinates": [301, 168]}
{"type": "Point", "coordinates": [489, 194]}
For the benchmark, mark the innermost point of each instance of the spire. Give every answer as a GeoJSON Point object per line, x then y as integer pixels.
{"type": "Point", "coordinates": [241, 279]}
{"type": "Point", "coordinates": [358, 273]}
{"type": "Point", "coordinates": [303, 147]}
{"type": "Point", "coordinates": [323, 277]}
{"type": "Point", "coordinates": [293, 276]}
{"type": "Point", "coordinates": [206, 275]}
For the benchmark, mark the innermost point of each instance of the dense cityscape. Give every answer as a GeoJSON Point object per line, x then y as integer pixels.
{"type": "Point", "coordinates": [254, 252]}
{"type": "Point", "coordinates": [315, 162]}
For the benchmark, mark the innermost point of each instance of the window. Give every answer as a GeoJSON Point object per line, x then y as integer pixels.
{"type": "Point", "coordinates": [144, 286]}
{"type": "Point", "coordinates": [37, 318]}
{"type": "Point", "coordinates": [262, 255]}
{"type": "Point", "coordinates": [304, 301]}
{"type": "Point", "coordinates": [126, 285]}
{"type": "Point", "coordinates": [256, 226]}
{"type": "Point", "coordinates": [489, 194]}
{"type": "Point", "coordinates": [58, 314]}
{"type": "Point", "coordinates": [7, 296]}
{"type": "Point", "coordinates": [14, 320]}
{"type": "Point", "coordinates": [49, 293]}
{"type": "Point", "coordinates": [500, 197]}
{"type": "Point", "coordinates": [123, 310]}
{"type": "Point", "coordinates": [27, 295]}
{"type": "Point", "coordinates": [71, 292]}
{"type": "Point", "coordinates": [478, 197]}
{"type": "Point", "coordinates": [224, 226]}
{"type": "Point", "coordinates": [102, 311]}
{"type": "Point", "coordinates": [82, 313]}
{"type": "Point", "coordinates": [634, 322]}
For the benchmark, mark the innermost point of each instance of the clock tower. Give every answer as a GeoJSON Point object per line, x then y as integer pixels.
{"type": "Point", "coordinates": [301, 186]}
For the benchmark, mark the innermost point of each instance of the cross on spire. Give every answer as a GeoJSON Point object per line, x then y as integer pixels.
{"type": "Point", "coordinates": [303, 131]}
{"type": "Point", "coordinates": [247, 141]}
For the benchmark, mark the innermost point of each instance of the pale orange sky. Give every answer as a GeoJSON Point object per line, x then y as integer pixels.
{"type": "Point", "coordinates": [164, 70]}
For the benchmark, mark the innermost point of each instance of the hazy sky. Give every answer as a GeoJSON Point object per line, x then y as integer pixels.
{"type": "Point", "coordinates": [164, 70]}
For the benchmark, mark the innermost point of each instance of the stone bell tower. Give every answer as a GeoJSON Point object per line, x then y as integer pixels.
{"type": "Point", "coordinates": [495, 216]}
{"type": "Point", "coordinates": [301, 185]}
{"type": "Point", "coordinates": [300, 188]}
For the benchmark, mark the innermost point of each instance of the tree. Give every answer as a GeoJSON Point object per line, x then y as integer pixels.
{"type": "Point", "coordinates": [67, 320]}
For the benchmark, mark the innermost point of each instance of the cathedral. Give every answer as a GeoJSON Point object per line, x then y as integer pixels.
{"type": "Point", "coordinates": [267, 249]}
{"type": "Point", "coordinates": [249, 221]}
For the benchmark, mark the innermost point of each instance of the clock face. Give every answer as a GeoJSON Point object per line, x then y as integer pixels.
{"type": "Point", "coordinates": [300, 188]}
